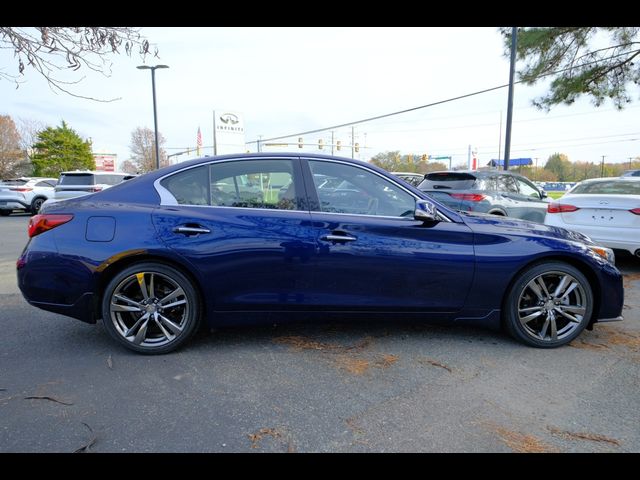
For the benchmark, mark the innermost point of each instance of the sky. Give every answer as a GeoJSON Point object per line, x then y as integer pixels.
{"type": "Point", "coordinates": [288, 80]}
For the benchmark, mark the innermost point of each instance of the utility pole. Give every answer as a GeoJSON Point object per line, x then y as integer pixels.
{"type": "Point", "coordinates": [259, 143]}
{"type": "Point", "coordinates": [500, 138]}
{"type": "Point", "coordinates": [630, 158]}
{"type": "Point", "coordinates": [512, 71]}
{"type": "Point", "coordinates": [602, 167]}
{"type": "Point", "coordinates": [353, 141]}
{"type": "Point", "coordinates": [536, 172]}
{"type": "Point", "coordinates": [332, 142]}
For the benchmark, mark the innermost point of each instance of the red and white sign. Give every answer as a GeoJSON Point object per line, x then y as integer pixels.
{"type": "Point", "coordinates": [105, 162]}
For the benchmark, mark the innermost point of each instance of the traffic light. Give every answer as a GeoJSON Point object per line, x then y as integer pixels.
{"type": "Point", "coordinates": [320, 144]}
{"type": "Point", "coordinates": [357, 147]}
{"type": "Point", "coordinates": [338, 145]}
{"type": "Point", "coordinates": [300, 142]}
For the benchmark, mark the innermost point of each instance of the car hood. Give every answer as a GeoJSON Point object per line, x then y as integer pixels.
{"type": "Point", "coordinates": [495, 224]}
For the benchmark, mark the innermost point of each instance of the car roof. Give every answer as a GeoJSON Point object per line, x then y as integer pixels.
{"type": "Point", "coordinates": [85, 172]}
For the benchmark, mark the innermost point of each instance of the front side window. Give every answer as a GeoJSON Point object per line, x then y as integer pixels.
{"type": "Point", "coordinates": [527, 189]}
{"type": "Point", "coordinates": [358, 191]}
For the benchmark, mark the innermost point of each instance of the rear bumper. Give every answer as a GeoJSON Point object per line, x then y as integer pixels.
{"type": "Point", "coordinates": [13, 204]}
{"type": "Point", "coordinates": [82, 309]}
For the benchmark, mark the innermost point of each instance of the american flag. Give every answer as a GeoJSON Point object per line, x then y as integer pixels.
{"type": "Point", "coordinates": [199, 141]}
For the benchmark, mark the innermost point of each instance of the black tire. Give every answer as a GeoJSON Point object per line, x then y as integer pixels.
{"type": "Point", "coordinates": [526, 312]}
{"type": "Point", "coordinates": [36, 205]}
{"type": "Point", "coordinates": [5, 213]}
{"type": "Point", "coordinates": [165, 328]}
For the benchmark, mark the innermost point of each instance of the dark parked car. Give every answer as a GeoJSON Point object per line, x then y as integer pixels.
{"type": "Point", "coordinates": [631, 173]}
{"type": "Point", "coordinates": [487, 191]}
{"type": "Point", "coordinates": [158, 255]}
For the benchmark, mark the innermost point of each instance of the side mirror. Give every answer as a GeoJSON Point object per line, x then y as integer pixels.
{"type": "Point", "coordinates": [543, 194]}
{"type": "Point", "coordinates": [425, 211]}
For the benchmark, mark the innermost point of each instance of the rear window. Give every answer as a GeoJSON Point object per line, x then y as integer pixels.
{"type": "Point", "coordinates": [608, 188]}
{"type": "Point", "coordinates": [76, 179]}
{"type": "Point", "coordinates": [448, 181]}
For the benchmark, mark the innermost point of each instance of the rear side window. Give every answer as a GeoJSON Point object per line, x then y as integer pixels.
{"type": "Point", "coordinates": [190, 187]}
{"type": "Point", "coordinates": [254, 184]}
{"type": "Point", "coordinates": [448, 181]}
{"type": "Point", "coordinates": [76, 179]}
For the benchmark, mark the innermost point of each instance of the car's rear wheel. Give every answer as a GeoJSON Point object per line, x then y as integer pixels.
{"type": "Point", "coordinates": [36, 205]}
{"type": "Point", "coordinates": [548, 305]}
{"type": "Point", "coordinates": [151, 308]}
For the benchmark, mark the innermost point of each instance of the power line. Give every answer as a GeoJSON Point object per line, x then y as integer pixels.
{"type": "Point", "coordinates": [460, 97]}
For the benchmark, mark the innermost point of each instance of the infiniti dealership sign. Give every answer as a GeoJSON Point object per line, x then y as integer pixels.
{"type": "Point", "coordinates": [228, 132]}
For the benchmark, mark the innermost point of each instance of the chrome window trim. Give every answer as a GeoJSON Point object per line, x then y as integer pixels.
{"type": "Point", "coordinates": [167, 199]}
{"type": "Point", "coordinates": [308, 159]}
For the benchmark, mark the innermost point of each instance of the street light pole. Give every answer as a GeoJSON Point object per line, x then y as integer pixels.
{"type": "Point", "coordinates": [155, 111]}
{"type": "Point", "coordinates": [512, 69]}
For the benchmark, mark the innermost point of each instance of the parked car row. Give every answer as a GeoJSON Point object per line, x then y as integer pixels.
{"type": "Point", "coordinates": [605, 209]}
{"type": "Point", "coordinates": [25, 193]}
{"type": "Point", "coordinates": [29, 194]}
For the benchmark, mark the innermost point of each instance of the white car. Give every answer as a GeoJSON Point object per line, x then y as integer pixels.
{"type": "Point", "coordinates": [25, 193]}
{"type": "Point", "coordinates": [605, 209]}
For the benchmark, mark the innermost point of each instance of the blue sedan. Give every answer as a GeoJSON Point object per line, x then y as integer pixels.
{"type": "Point", "coordinates": [243, 238]}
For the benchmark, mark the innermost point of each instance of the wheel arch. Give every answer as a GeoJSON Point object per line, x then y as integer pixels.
{"type": "Point", "coordinates": [114, 268]}
{"type": "Point", "coordinates": [497, 211]}
{"type": "Point", "coordinates": [583, 267]}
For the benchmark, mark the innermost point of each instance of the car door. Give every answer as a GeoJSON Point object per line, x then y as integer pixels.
{"type": "Point", "coordinates": [531, 205]}
{"type": "Point", "coordinates": [373, 254]}
{"type": "Point", "coordinates": [243, 224]}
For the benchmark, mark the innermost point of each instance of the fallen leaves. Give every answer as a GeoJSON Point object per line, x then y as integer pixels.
{"type": "Point", "coordinates": [263, 432]}
{"type": "Point", "coordinates": [593, 437]}
{"type": "Point", "coordinates": [519, 442]}
{"type": "Point", "coordinates": [350, 358]}
{"type": "Point", "coordinates": [435, 363]}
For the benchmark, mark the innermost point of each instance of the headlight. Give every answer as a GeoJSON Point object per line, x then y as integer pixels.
{"type": "Point", "coordinates": [604, 252]}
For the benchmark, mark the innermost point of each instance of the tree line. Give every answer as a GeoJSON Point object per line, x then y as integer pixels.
{"type": "Point", "coordinates": [558, 167]}
{"type": "Point", "coordinates": [29, 148]}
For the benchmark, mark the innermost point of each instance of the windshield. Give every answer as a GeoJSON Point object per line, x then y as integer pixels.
{"type": "Point", "coordinates": [76, 179]}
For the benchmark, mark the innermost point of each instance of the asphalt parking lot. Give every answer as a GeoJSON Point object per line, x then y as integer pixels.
{"type": "Point", "coordinates": [333, 387]}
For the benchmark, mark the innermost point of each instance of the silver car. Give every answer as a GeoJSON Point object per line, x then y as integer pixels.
{"type": "Point", "coordinates": [25, 193]}
{"type": "Point", "coordinates": [82, 182]}
{"type": "Point", "coordinates": [497, 192]}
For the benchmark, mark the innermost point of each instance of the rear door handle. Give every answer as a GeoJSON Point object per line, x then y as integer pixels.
{"type": "Point", "coordinates": [338, 238]}
{"type": "Point", "coordinates": [191, 230]}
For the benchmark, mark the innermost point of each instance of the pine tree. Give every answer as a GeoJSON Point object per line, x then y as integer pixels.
{"type": "Point", "coordinates": [59, 149]}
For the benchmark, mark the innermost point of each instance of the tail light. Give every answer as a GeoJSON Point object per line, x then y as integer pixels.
{"type": "Point", "coordinates": [21, 189]}
{"type": "Point", "coordinates": [95, 189]}
{"type": "Point", "coordinates": [470, 197]}
{"type": "Point", "coordinates": [561, 208]}
{"type": "Point", "coordinates": [41, 223]}
{"type": "Point", "coordinates": [635, 211]}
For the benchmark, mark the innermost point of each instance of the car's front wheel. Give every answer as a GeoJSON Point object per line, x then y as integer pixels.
{"type": "Point", "coordinates": [548, 305]}
{"type": "Point", "coordinates": [151, 308]}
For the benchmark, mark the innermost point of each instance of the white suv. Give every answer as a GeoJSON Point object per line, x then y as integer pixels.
{"type": "Point", "coordinates": [25, 193]}
{"type": "Point", "coordinates": [78, 182]}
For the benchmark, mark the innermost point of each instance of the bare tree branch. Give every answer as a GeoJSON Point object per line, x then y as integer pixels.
{"type": "Point", "coordinates": [48, 50]}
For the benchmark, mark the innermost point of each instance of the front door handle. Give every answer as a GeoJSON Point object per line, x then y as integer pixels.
{"type": "Point", "coordinates": [338, 238]}
{"type": "Point", "coordinates": [191, 230]}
